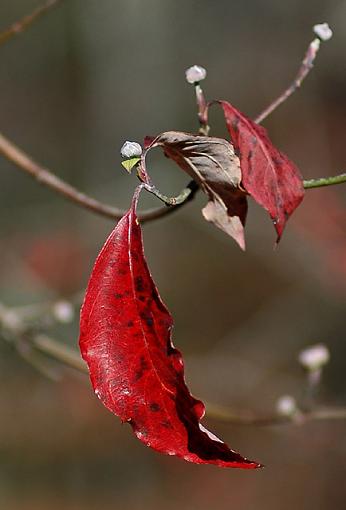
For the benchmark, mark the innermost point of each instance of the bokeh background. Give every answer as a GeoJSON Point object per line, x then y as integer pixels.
{"type": "Point", "coordinates": [79, 82]}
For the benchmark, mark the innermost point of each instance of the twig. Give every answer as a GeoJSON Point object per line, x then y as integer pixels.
{"type": "Point", "coordinates": [44, 176]}
{"type": "Point", "coordinates": [60, 352]}
{"type": "Point", "coordinates": [304, 70]}
{"type": "Point", "coordinates": [324, 181]}
{"type": "Point", "coordinates": [203, 110]}
{"type": "Point", "coordinates": [301, 417]}
{"type": "Point", "coordinates": [25, 22]}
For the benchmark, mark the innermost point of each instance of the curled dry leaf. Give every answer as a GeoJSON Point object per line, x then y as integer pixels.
{"type": "Point", "coordinates": [267, 174]}
{"type": "Point", "coordinates": [213, 164]}
{"type": "Point", "coordinates": [125, 338]}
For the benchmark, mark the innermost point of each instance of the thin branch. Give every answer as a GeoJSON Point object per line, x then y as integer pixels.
{"type": "Point", "coordinates": [324, 181]}
{"type": "Point", "coordinates": [59, 352]}
{"type": "Point", "coordinates": [304, 70]}
{"type": "Point", "coordinates": [299, 418]}
{"type": "Point", "coordinates": [44, 176]}
{"type": "Point", "coordinates": [203, 110]}
{"type": "Point", "coordinates": [25, 22]}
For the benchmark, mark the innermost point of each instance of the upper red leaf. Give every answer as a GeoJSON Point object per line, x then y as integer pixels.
{"type": "Point", "coordinates": [267, 174]}
{"type": "Point", "coordinates": [125, 338]}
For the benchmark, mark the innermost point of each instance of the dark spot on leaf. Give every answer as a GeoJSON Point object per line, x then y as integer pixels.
{"type": "Point", "coordinates": [142, 368]}
{"type": "Point", "coordinates": [139, 285]}
{"type": "Point", "coordinates": [154, 407]}
{"type": "Point", "coordinates": [147, 318]}
{"type": "Point", "coordinates": [118, 296]}
{"type": "Point", "coordinates": [141, 298]}
{"type": "Point", "coordinates": [149, 321]}
{"type": "Point", "coordinates": [166, 424]}
{"type": "Point", "coordinates": [130, 324]}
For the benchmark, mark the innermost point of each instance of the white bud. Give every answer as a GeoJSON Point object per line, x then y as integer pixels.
{"type": "Point", "coordinates": [286, 405]}
{"type": "Point", "coordinates": [323, 31]}
{"type": "Point", "coordinates": [11, 320]}
{"type": "Point", "coordinates": [313, 358]}
{"type": "Point", "coordinates": [63, 311]}
{"type": "Point", "coordinates": [131, 150]}
{"type": "Point", "coordinates": [195, 74]}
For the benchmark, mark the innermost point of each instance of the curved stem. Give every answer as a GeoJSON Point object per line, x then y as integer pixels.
{"type": "Point", "coordinates": [186, 194]}
{"type": "Point", "coordinates": [25, 22]}
{"type": "Point", "coordinates": [324, 181]}
{"type": "Point", "coordinates": [44, 176]}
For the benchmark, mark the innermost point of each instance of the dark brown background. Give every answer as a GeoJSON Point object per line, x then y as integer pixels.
{"type": "Point", "coordinates": [88, 76]}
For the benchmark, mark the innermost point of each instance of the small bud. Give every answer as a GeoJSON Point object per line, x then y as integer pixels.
{"type": "Point", "coordinates": [131, 150]}
{"type": "Point", "coordinates": [286, 405]}
{"type": "Point", "coordinates": [323, 31]}
{"type": "Point", "coordinates": [313, 358]}
{"type": "Point", "coordinates": [195, 74]}
{"type": "Point", "coordinates": [63, 311]}
{"type": "Point", "coordinates": [11, 320]}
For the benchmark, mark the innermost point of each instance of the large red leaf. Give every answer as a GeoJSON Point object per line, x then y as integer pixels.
{"type": "Point", "coordinates": [135, 370]}
{"type": "Point", "coordinates": [267, 174]}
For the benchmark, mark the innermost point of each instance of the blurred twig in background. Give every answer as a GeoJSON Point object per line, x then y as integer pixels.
{"type": "Point", "coordinates": [24, 23]}
{"type": "Point", "coordinates": [16, 327]}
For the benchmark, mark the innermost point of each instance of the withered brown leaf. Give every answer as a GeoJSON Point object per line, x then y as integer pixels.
{"type": "Point", "coordinates": [213, 164]}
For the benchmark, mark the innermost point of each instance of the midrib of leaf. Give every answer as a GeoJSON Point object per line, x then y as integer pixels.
{"type": "Point", "coordinates": [264, 150]}
{"type": "Point", "coordinates": [138, 314]}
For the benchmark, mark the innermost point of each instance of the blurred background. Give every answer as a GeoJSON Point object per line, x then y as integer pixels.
{"type": "Point", "coordinates": [82, 80]}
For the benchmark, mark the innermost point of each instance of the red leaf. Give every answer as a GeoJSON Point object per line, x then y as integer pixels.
{"type": "Point", "coordinates": [267, 174]}
{"type": "Point", "coordinates": [135, 370]}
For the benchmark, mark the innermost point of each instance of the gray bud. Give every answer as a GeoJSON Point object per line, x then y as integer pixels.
{"type": "Point", "coordinates": [323, 31]}
{"type": "Point", "coordinates": [195, 74]}
{"type": "Point", "coordinates": [131, 150]}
